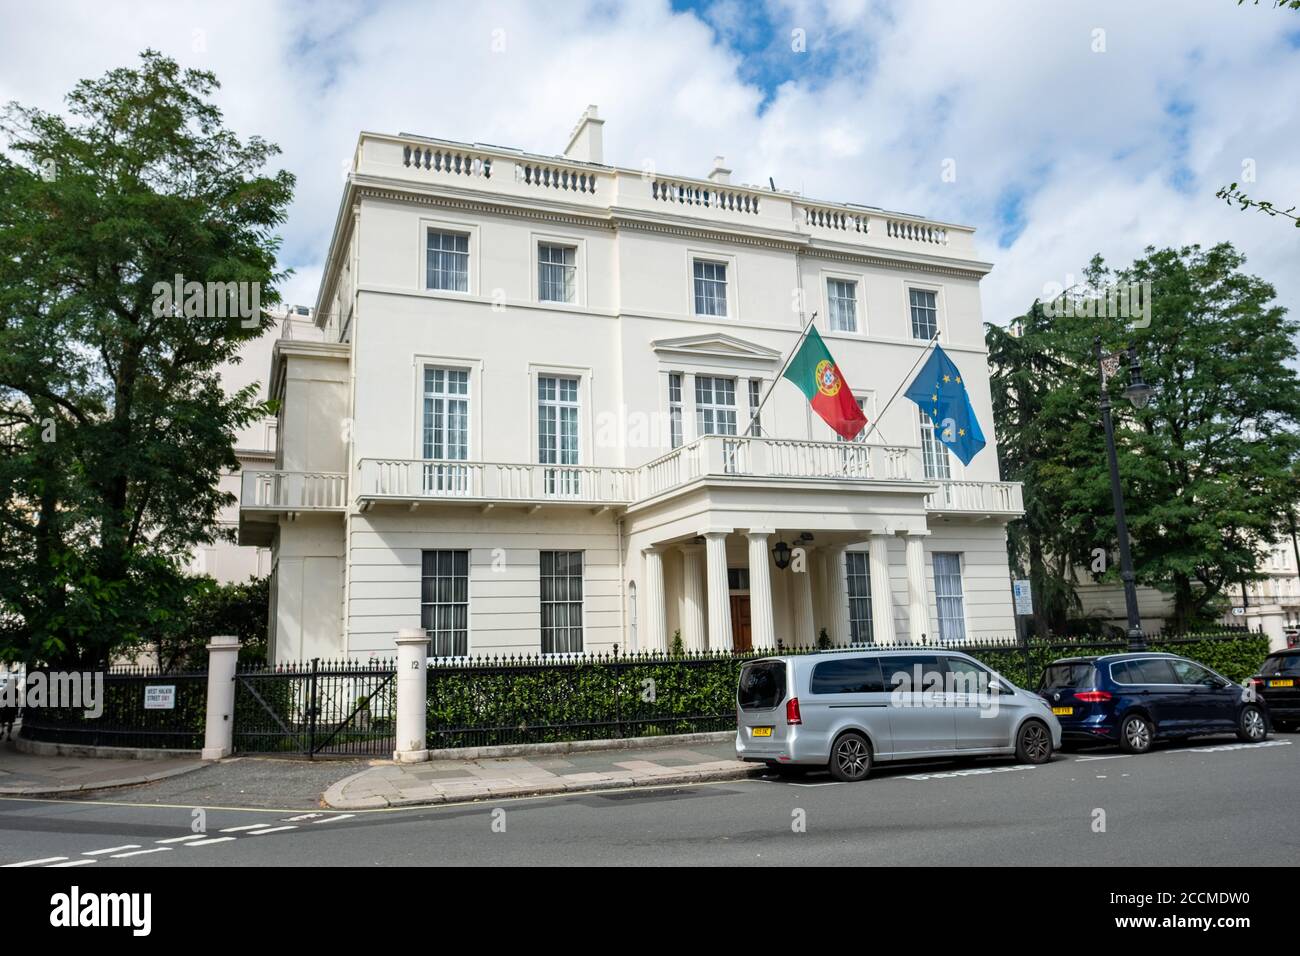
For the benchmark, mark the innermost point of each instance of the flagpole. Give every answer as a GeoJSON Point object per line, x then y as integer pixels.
{"type": "Point", "coordinates": [901, 385]}
{"type": "Point", "coordinates": [785, 365]}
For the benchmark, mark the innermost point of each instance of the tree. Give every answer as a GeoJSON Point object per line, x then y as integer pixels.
{"type": "Point", "coordinates": [112, 415]}
{"type": "Point", "coordinates": [1208, 468]}
{"type": "Point", "coordinates": [240, 609]}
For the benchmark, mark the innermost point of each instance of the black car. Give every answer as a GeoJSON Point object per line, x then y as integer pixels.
{"type": "Point", "coordinates": [1277, 683]}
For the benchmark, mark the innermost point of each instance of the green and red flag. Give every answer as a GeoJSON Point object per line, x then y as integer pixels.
{"type": "Point", "coordinates": [819, 378]}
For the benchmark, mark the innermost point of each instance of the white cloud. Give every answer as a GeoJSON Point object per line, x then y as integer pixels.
{"type": "Point", "coordinates": [1012, 92]}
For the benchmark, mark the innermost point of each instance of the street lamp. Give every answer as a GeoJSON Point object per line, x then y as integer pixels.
{"type": "Point", "coordinates": [781, 554]}
{"type": "Point", "coordinates": [1139, 393]}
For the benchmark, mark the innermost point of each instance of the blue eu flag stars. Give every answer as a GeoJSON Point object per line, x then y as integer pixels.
{"type": "Point", "coordinates": [939, 391]}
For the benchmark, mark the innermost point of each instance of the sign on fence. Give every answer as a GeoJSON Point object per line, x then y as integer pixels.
{"type": "Point", "coordinates": [1023, 595]}
{"type": "Point", "coordinates": [160, 697]}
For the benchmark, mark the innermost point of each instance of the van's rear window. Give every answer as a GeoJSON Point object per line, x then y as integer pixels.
{"type": "Point", "coordinates": [1069, 675]}
{"type": "Point", "coordinates": [762, 685]}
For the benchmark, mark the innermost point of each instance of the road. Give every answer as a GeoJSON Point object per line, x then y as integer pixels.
{"type": "Point", "coordinates": [1207, 802]}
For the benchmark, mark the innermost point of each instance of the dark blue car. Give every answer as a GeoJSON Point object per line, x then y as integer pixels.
{"type": "Point", "coordinates": [1138, 698]}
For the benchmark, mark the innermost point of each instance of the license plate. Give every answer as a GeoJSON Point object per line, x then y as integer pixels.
{"type": "Point", "coordinates": [1281, 683]}
{"type": "Point", "coordinates": [761, 731]}
{"type": "Point", "coordinates": [1063, 711]}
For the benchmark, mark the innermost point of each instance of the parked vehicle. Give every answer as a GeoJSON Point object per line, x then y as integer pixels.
{"type": "Point", "coordinates": [1278, 684]}
{"type": "Point", "coordinates": [846, 710]}
{"type": "Point", "coordinates": [1137, 698]}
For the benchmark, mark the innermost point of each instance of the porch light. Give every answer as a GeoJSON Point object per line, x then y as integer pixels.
{"type": "Point", "coordinates": [781, 554]}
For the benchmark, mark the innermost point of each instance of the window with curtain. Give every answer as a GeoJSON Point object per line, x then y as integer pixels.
{"type": "Point", "coordinates": [710, 287]}
{"type": "Point", "coordinates": [557, 272]}
{"type": "Point", "coordinates": [948, 596]}
{"type": "Point", "coordinates": [842, 301]}
{"type": "Point", "coordinates": [557, 432]}
{"type": "Point", "coordinates": [444, 601]}
{"type": "Point", "coordinates": [561, 580]}
{"type": "Point", "coordinates": [925, 313]}
{"type": "Point", "coordinates": [858, 569]}
{"type": "Point", "coordinates": [447, 263]}
{"type": "Point", "coordinates": [934, 454]}
{"type": "Point", "coordinates": [446, 429]}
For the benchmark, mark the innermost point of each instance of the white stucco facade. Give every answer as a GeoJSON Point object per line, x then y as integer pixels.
{"type": "Point", "coordinates": [525, 429]}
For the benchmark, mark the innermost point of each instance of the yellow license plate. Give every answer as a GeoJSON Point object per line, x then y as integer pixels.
{"type": "Point", "coordinates": [1063, 711]}
{"type": "Point", "coordinates": [761, 731]}
{"type": "Point", "coordinates": [1281, 683]}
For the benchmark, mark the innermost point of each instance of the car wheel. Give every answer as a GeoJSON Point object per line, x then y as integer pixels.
{"type": "Point", "coordinates": [1033, 742]}
{"type": "Point", "coordinates": [1251, 725]}
{"type": "Point", "coordinates": [850, 758]}
{"type": "Point", "coordinates": [1136, 734]}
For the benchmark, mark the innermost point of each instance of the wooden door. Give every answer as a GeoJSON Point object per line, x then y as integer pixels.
{"type": "Point", "coordinates": [741, 637]}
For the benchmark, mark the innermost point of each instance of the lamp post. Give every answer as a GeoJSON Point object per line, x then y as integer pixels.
{"type": "Point", "coordinates": [1139, 393]}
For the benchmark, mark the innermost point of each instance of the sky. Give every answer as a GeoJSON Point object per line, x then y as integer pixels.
{"type": "Point", "coordinates": [1058, 129]}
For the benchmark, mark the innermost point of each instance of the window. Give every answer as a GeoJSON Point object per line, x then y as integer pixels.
{"type": "Point", "coordinates": [755, 396]}
{"type": "Point", "coordinates": [675, 409]}
{"type": "Point", "coordinates": [446, 430]}
{"type": "Point", "coordinates": [849, 675]}
{"type": "Point", "coordinates": [762, 685]}
{"type": "Point", "coordinates": [857, 567]}
{"type": "Point", "coordinates": [855, 456]}
{"type": "Point", "coordinates": [447, 263]}
{"type": "Point", "coordinates": [948, 596]}
{"type": "Point", "coordinates": [715, 405]}
{"type": "Point", "coordinates": [912, 673]}
{"type": "Point", "coordinates": [967, 677]}
{"type": "Point", "coordinates": [557, 272]}
{"type": "Point", "coordinates": [842, 300]}
{"type": "Point", "coordinates": [557, 433]}
{"type": "Point", "coordinates": [934, 454]}
{"type": "Point", "coordinates": [710, 288]}
{"type": "Point", "coordinates": [925, 313]}
{"type": "Point", "coordinates": [1189, 673]}
{"type": "Point", "coordinates": [737, 579]}
{"type": "Point", "coordinates": [444, 602]}
{"type": "Point", "coordinates": [561, 578]}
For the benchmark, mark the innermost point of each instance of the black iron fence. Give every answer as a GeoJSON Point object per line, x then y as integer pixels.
{"type": "Point", "coordinates": [317, 708]}
{"type": "Point", "coordinates": [521, 700]}
{"type": "Point", "coordinates": [134, 707]}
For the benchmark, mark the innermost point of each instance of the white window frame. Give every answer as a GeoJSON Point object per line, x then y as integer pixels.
{"type": "Point", "coordinates": [940, 309]}
{"type": "Point", "coordinates": [732, 286]}
{"type": "Point", "coordinates": [579, 247]}
{"type": "Point", "coordinates": [960, 596]}
{"type": "Point", "coordinates": [455, 363]}
{"type": "Point", "coordinates": [925, 426]}
{"type": "Point", "coordinates": [442, 478]}
{"type": "Point", "coordinates": [712, 406]}
{"type": "Point", "coordinates": [469, 578]}
{"type": "Point", "coordinates": [677, 408]}
{"type": "Point", "coordinates": [469, 229]}
{"type": "Point", "coordinates": [855, 284]}
{"type": "Point", "coordinates": [581, 602]}
{"type": "Point", "coordinates": [560, 478]}
{"type": "Point", "coordinates": [866, 624]}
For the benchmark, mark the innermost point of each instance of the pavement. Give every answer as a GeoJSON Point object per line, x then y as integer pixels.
{"type": "Point", "coordinates": [23, 774]}
{"type": "Point", "coordinates": [452, 781]}
{"type": "Point", "coordinates": [1212, 802]}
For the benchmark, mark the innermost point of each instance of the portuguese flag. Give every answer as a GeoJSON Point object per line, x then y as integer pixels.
{"type": "Point", "coordinates": [819, 378]}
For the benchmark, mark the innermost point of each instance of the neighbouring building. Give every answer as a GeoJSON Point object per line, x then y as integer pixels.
{"type": "Point", "coordinates": [526, 426]}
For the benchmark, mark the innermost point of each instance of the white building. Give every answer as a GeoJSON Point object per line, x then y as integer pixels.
{"type": "Point", "coordinates": [525, 429]}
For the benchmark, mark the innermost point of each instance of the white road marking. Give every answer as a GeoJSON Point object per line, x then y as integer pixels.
{"type": "Point", "coordinates": [270, 830]}
{"type": "Point", "coordinates": [306, 816]}
{"type": "Point", "coordinates": [111, 849]}
{"type": "Point", "coordinates": [157, 849]}
{"type": "Point", "coordinates": [1103, 757]}
{"type": "Point", "coordinates": [211, 841]}
{"type": "Point", "coordinates": [341, 816]}
{"type": "Point", "coordinates": [972, 772]}
{"type": "Point", "coordinates": [192, 836]}
{"type": "Point", "coordinates": [48, 859]}
{"type": "Point", "coordinates": [55, 866]}
{"type": "Point", "coordinates": [251, 826]}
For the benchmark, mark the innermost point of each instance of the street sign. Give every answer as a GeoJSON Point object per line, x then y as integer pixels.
{"type": "Point", "coordinates": [1023, 595]}
{"type": "Point", "coordinates": [160, 697]}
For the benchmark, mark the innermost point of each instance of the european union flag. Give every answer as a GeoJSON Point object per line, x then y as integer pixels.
{"type": "Point", "coordinates": [939, 390]}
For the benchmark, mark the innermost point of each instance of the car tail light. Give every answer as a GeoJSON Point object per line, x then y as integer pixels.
{"type": "Point", "coordinates": [1092, 696]}
{"type": "Point", "coordinates": [792, 711]}
{"type": "Point", "coordinates": [1256, 682]}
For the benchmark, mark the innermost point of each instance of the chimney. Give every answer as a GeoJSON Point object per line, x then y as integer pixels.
{"type": "Point", "coordinates": [720, 173]}
{"type": "Point", "coordinates": [586, 142]}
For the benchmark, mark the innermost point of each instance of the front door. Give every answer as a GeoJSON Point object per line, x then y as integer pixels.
{"type": "Point", "coordinates": [741, 639]}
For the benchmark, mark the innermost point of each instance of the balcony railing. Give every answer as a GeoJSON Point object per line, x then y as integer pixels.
{"type": "Point", "coordinates": [712, 456]}
{"type": "Point", "coordinates": [293, 491]}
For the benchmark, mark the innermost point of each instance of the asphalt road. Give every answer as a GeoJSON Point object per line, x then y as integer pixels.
{"type": "Point", "coordinates": [1207, 802]}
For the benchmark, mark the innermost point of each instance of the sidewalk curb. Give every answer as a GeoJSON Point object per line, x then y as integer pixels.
{"type": "Point", "coordinates": [44, 791]}
{"type": "Point", "coordinates": [335, 799]}
{"type": "Point", "coordinates": [44, 748]}
{"type": "Point", "coordinates": [581, 746]}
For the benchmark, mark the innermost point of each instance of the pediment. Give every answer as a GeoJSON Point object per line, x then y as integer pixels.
{"type": "Point", "coordinates": [716, 345]}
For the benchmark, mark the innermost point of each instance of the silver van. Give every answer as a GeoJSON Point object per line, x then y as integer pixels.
{"type": "Point", "coordinates": [845, 710]}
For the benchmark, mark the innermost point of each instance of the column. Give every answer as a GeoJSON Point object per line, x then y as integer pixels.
{"type": "Point", "coordinates": [918, 611]}
{"type": "Point", "coordinates": [412, 696]}
{"type": "Point", "coordinates": [801, 601]}
{"type": "Point", "coordinates": [694, 634]}
{"type": "Point", "coordinates": [219, 726]}
{"type": "Point", "coordinates": [817, 567]}
{"type": "Point", "coordinates": [760, 589]}
{"type": "Point", "coordinates": [837, 598]}
{"type": "Point", "coordinates": [715, 544]}
{"type": "Point", "coordinates": [882, 594]}
{"type": "Point", "coordinates": [654, 612]}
